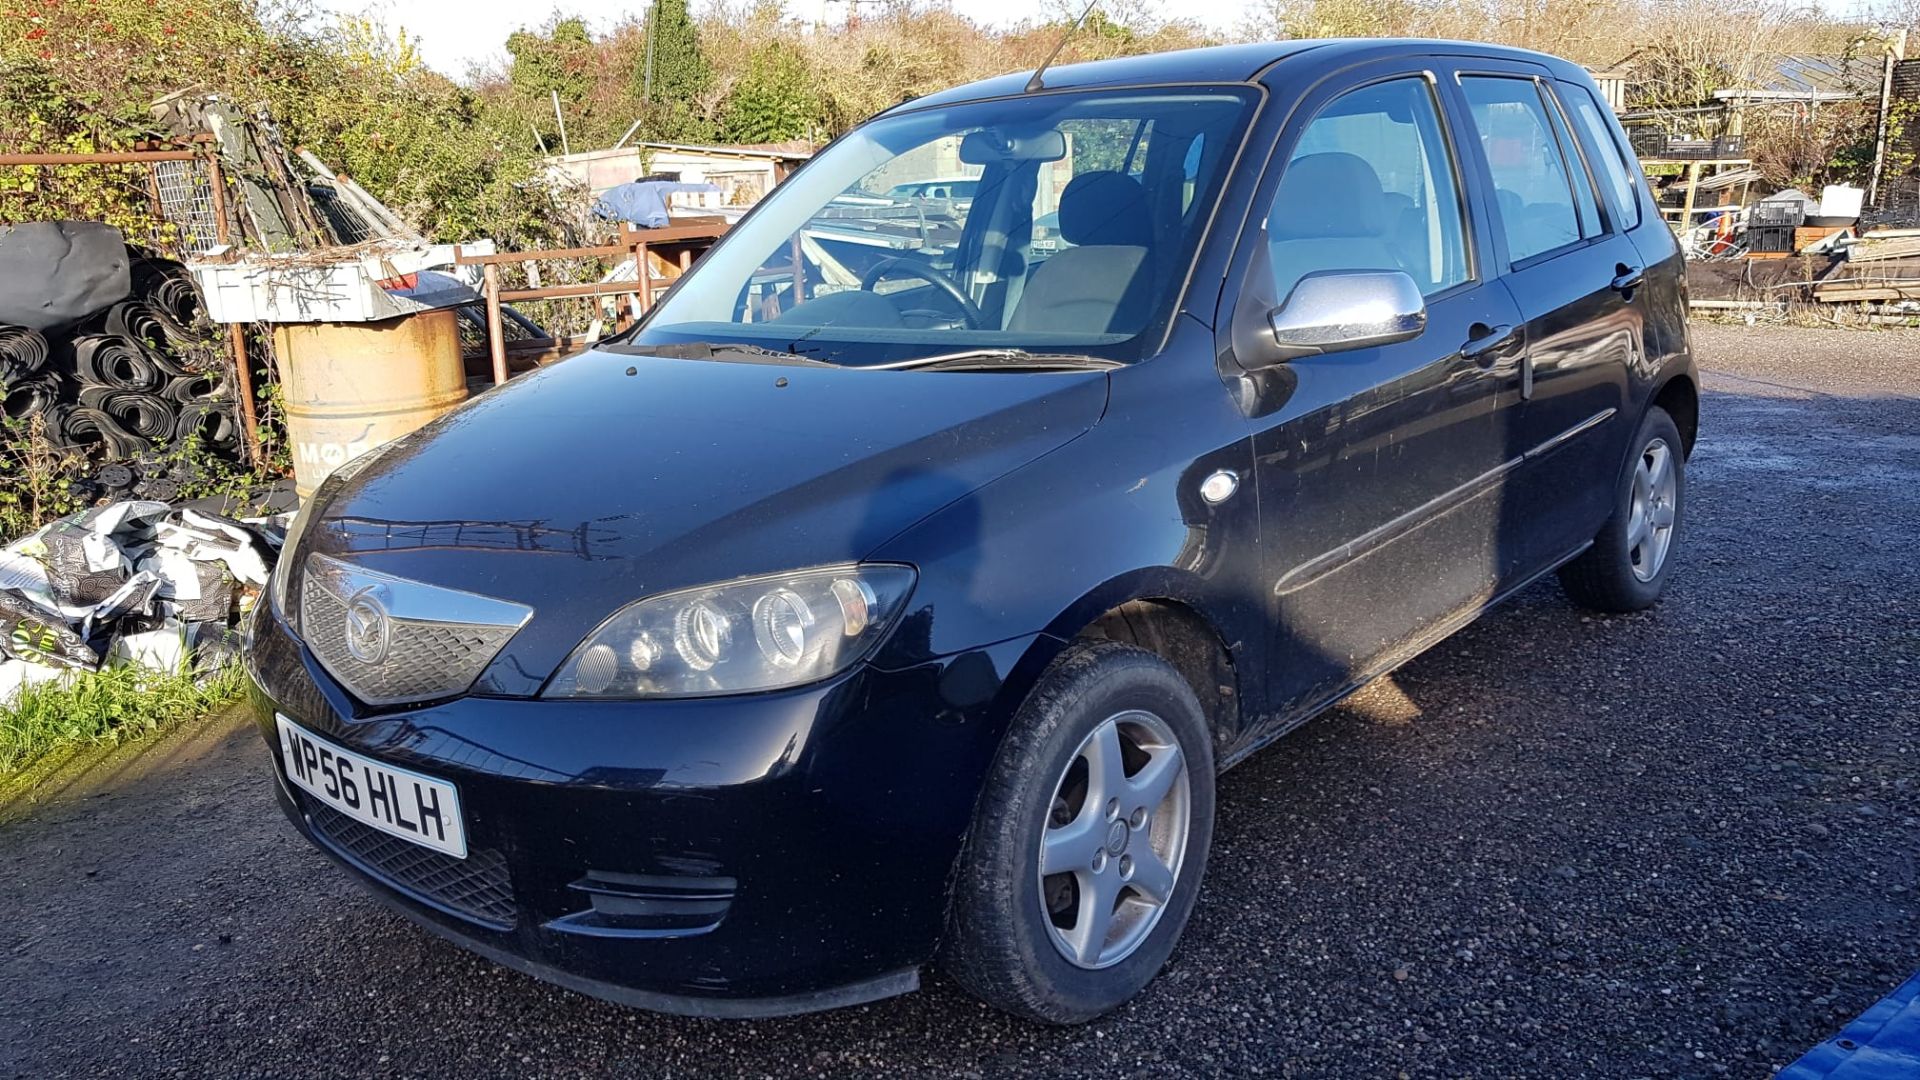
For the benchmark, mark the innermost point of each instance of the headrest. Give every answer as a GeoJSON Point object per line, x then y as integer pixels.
{"type": "Point", "coordinates": [1329, 195]}
{"type": "Point", "coordinates": [1104, 208]}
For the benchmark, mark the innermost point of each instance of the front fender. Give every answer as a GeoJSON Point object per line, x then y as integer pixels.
{"type": "Point", "coordinates": [1110, 517]}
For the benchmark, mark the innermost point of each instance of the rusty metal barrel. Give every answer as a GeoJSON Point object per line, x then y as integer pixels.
{"type": "Point", "coordinates": [352, 387]}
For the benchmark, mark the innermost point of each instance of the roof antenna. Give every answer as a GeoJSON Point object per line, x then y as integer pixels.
{"type": "Point", "coordinates": [1033, 84]}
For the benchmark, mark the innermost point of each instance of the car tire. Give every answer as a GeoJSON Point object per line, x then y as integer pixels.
{"type": "Point", "coordinates": [1007, 943]}
{"type": "Point", "coordinates": [1631, 559]}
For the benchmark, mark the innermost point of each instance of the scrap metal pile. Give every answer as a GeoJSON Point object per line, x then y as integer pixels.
{"type": "Point", "coordinates": [135, 582]}
{"type": "Point", "coordinates": [141, 373]}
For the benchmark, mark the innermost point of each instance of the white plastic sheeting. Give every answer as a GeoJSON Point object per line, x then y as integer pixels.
{"type": "Point", "coordinates": [136, 582]}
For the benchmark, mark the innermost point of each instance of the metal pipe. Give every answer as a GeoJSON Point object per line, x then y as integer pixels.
{"type": "Point", "coordinates": [118, 157]}
{"type": "Point", "coordinates": [217, 183]}
{"type": "Point", "coordinates": [236, 333]}
{"type": "Point", "coordinates": [653, 27]}
{"type": "Point", "coordinates": [564, 292]}
{"type": "Point", "coordinates": [357, 197]}
{"type": "Point", "coordinates": [496, 333]}
{"type": "Point", "coordinates": [603, 251]}
{"type": "Point", "coordinates": [643, 273]}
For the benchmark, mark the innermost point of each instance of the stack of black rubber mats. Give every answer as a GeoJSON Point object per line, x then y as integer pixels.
{"type": "Point", "coordinates": [27, 388]}
{"type": "Point", "coordinates": [145, 373]}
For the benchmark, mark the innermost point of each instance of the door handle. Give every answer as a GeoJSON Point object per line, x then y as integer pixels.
{"type": "Point", "coordinates": [1627, 278]}
{"type": "Point", "coordinates": [1487, 341]}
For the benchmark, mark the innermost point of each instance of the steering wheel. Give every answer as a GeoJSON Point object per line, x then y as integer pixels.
{"type": "Point", "coordinates": [970, 312]}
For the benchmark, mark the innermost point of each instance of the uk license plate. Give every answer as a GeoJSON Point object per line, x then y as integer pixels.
{"type": "Point", "coordinates": [397, 801]}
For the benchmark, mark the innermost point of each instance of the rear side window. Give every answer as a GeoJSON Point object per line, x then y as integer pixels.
{"type": "Point", "coordinates": [1584, 200]}
{"type": "Point", "coordinates": [1531, 181]}
{"type": "Point", "coordinates": [1370, 186]}
{"type": "Point", "coordinates": [1616, 172]}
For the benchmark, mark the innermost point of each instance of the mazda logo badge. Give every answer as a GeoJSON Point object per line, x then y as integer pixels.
{"type": "Point", "coordinates": [368, 629]}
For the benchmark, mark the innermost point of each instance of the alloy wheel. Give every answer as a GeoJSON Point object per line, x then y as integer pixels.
{"type": "Point", "coordinates": [1115, 838]}
{"type": "Point", "coordinates": [1652, 510]}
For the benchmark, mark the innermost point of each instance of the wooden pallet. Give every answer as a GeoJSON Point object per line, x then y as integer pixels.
{"type": "Point", "coordinates": [1852, 282]}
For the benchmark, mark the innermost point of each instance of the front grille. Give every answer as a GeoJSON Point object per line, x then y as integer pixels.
{"type": "Point", "coordinates": [477, 887]}
{"type": "Point", "coordinates": [425, 660]}
{"type": "Point", "coordinates": [432, 642]}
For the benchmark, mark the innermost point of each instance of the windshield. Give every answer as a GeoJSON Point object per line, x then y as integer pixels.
{"type": "Point", "coordinates": [1056, 223]}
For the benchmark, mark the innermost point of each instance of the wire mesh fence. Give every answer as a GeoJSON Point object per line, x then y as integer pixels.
{"type": "Point", "coordinates": [186, 202]}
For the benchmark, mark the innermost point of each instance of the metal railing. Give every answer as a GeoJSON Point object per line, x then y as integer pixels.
{"type": "Point", "coordinates": [199, 195]}
{"type": "Point", "coordinates": [676, 246]}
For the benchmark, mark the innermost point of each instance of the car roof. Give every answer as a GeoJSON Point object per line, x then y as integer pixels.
{"type": "Point", "coordinates": [1222, 64]}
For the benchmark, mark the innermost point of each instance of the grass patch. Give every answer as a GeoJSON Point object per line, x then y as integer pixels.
{"type": "Point", "coordinates": [117, 704]}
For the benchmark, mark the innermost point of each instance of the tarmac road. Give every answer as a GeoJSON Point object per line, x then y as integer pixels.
{"type": "Point", "coordinates": [1679, 843]}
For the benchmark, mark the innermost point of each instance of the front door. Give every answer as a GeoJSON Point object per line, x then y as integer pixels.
{"type": "Point", "coordinates": [1378, 468]}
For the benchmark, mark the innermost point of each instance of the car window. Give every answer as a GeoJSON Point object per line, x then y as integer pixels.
{"type": "Point", "coordinates": [1585, 202]}
{"type": "Point", "coordinates": [1190, 170]}
{"type": "Point", "coordinates": [1531, 186]}
{"type": "Point", "coordinates": [1104, 145]}
{"type": "Point", "coordinates": [1370, 186]}
{"type": "Point", "coordinates": [1615, 171]}
{"type": "Point", "coordinates": [1093, 145]}
{"type": "Point", "coordinates": [1091, 187]}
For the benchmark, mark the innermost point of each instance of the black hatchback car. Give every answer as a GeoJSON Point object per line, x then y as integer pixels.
{"type": "Point", "coordinates": [896, 591]}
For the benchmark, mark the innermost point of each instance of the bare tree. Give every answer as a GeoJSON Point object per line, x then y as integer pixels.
{"type": "Point", "coordinates": [1696, 47]}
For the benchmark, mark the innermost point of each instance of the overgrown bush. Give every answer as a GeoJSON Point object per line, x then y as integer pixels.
{"type": "Point", "coordinates": [774, 99]}
{"type": "Point", "coordinates": [425, 146]}
{"type": "Point", "coordinates": [36, 479]}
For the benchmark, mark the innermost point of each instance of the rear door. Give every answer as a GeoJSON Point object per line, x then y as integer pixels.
{"type": "Point", "coordinates": [1575, 275]}
{"type": "Point", "coordinates": [1623, 189]}
{"type": "Point", "coordinates": [1378, 468]}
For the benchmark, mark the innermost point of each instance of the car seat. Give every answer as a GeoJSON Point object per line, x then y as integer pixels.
{"type": "Point", "coordinates": [1098, 285]}
{"type": "Point", "coordinates": [1329, 214]}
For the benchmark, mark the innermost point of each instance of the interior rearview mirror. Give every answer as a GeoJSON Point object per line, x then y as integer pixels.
{"type": "Point", "coordinates": [1336, 310]}
{"type": "Point", "coordinates": [988, 145]}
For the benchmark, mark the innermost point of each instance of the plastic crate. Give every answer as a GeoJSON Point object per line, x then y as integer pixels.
{"type": "Point", "coordinates": [354, 285]}
{"type": "Point", "coordinates": [1646, 141]}
{"type": "Point", "coordinates": [1790, 214]}
{"type": "Point", "coordinates": [1770, 238]}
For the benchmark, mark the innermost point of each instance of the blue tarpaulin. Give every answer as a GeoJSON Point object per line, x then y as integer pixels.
{"type": "Point", "coordinates": [1882, 1043]}
{"type": "Point", "coordinates": [643, 202]}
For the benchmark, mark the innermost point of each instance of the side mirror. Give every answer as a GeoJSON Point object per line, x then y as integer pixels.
{"type": "Point", "coordinates": [1336, 310]}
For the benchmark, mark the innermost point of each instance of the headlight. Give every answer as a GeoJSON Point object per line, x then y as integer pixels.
{"type": "Point", "coordinates": [279, 588]}
{"type": "Point", "coordinates": [760, 633]}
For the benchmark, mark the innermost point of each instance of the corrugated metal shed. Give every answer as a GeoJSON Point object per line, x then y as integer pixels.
{"type": "Point", "coordinates": [1819, 77]}
{"type": "Point", "coordinates": [1882, 1043]}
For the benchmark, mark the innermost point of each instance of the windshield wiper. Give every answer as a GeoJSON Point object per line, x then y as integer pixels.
{"type": "Point", "coordinates": [1001, 360]}
{"type": "Point", "coordinates": [720, 350]}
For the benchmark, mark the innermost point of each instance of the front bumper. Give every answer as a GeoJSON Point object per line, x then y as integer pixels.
{"type": "Point", "coordinates": [757, 855]}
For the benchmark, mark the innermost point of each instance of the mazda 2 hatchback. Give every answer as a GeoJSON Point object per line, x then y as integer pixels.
{"type": "Point", "coordinates": [894, 594]}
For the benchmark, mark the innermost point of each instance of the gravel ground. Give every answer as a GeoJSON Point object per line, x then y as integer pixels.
{"type": "Point", "coordinates": [1679, 843]}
